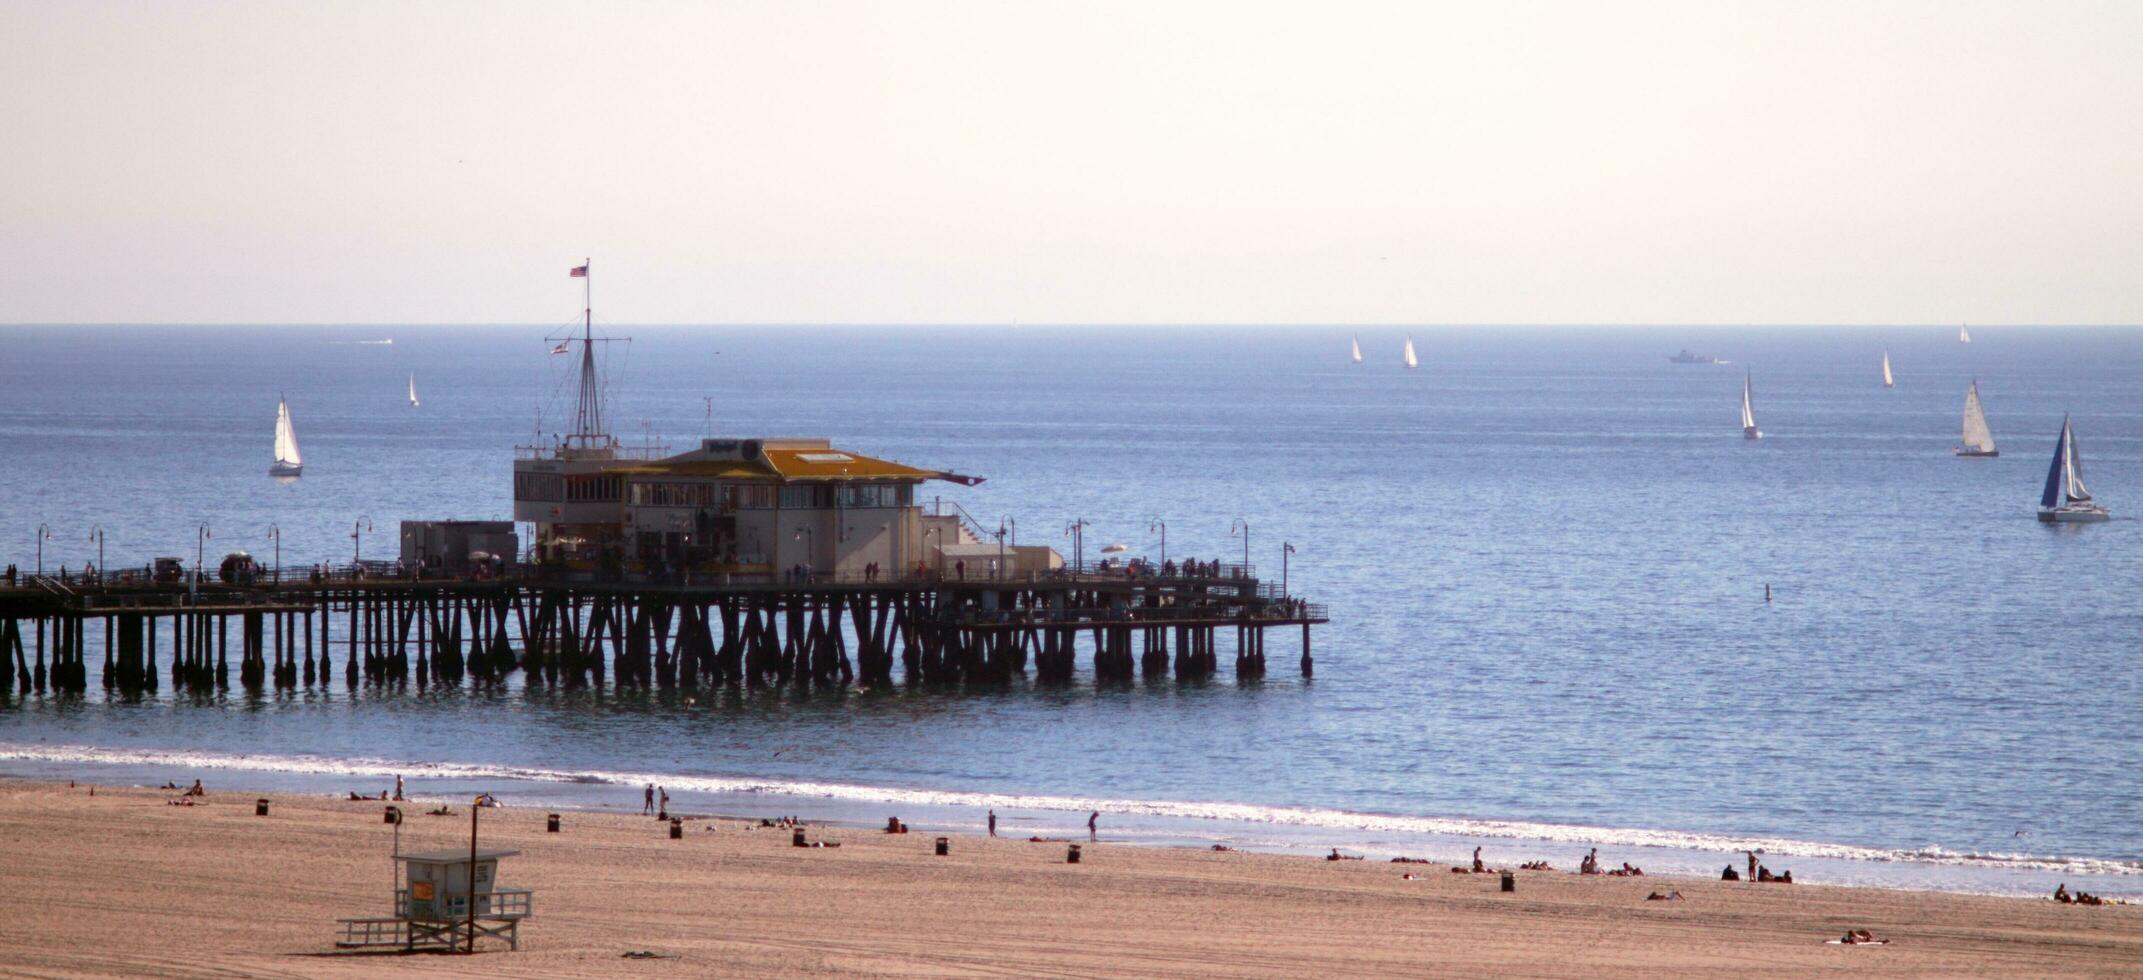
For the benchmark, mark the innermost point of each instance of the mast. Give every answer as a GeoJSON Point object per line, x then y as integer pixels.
{"type": "Point", "coordinates": [588, 420]}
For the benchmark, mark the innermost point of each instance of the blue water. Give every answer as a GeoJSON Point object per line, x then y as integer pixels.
{"type": "Point", "coordinates": [1545, 554]}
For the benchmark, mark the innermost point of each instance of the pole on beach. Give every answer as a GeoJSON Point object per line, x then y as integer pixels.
{"type": "Point", "coordinates": [475, 807]}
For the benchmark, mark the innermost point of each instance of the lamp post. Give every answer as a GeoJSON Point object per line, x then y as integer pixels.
{"type": "Point", "coordinates": [358, 528]}
{"type": "Point", "coordinates": [1161, 526]}
{"type": "Point", "coordinates": [43, 534]}
{"type": "Point", "coordinates": [277, 533]}
{"type": "Point", "coordinates": [1077, 532]}
{"type": "Point", "coordinates": [1244, 527]}
{"type": "Point", "coordinates": [1285, 550]}
{"type": "Point", "coordinates": [999, 571]}
{"type": "Point", "coordinates": [200, 553]}
{"type": "Point", "coordinates": [97, 534]}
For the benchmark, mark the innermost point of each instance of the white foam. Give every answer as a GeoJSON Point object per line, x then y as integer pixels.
{"type": "Point", "coordinates": [1243, 813]}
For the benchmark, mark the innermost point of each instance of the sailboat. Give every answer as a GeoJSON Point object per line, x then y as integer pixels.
{"type": "Point", "coordinates": [1888, 381]}
{"type": "Point", "coordinates": [1963, 336]}
{"type": "Point", "coordinates": [287, 460]}
{"type": "Point", "coordinates": [1977, 440]}
{"type": "Point", "coordinates": [1357, 350]}
{"type": "Point", "coordinates": [413, 391]}
{"type": "Point", "coordinates": [2065, 500]}
{"type": "Point", "coordinates": [1411, 360]}
{"type": "Point", "coordinates": [1748, 413]}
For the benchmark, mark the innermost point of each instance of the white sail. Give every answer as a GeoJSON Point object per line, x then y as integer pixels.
{"type": "Point", "coordinates": [1977, 439]}
{"type": "Point", "coordinates": [1748, 412]}
{"type": "Point", "coordinates": [2074, 465]}
{"type": "Point", "coordinates": [1411, 360]}
{"type": "Point", "coordinates": [1357, 350]}
{"type": "Point", "coordinates": [1888, 381]}
{"type": "Point", "coordinates": [1963, 336]}
{"type": "Point", "coordinates": [286, 439]}
{"type": "Point", "coordinates": [412, 391]}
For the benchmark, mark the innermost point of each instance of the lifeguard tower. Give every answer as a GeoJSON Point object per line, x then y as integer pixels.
{"type": "Point", "coordinates": [432, 908]}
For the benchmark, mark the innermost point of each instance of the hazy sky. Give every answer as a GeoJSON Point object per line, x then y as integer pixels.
{"type": "Point", "coordinates": [1319, 162]}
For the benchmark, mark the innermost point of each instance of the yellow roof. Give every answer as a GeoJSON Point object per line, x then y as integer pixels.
{"type": "Point", "coordinates": [835, 464]}
{"type": "Point", "coordinates": [727, 469]}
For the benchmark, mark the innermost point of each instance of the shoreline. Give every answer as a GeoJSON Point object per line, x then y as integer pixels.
{"type": "Point", "coordinates": [121, 882]}
{"type": "Point", "coordinates": [1244, 826]}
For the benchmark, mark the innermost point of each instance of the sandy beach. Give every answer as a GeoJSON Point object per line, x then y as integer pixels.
{"type": "Point", "coordinates": [121, 882]}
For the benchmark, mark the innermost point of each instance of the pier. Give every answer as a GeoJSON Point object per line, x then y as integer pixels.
{"type": "Point", "coordinates": [361, 625]}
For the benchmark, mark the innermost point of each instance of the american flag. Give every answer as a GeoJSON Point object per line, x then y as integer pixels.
{"type": "Point", "coordinates": [579, 272]}
{"type": "Point", "coordinates": [562, 347]}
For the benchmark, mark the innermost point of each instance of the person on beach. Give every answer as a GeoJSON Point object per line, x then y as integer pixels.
{"type": "Point", "coordinates": [1752, 865]}
{"type": "Point", "coordinates": [993, 823]}
{"type": "Point", "coordinates": [1093, 829]}
{"type": "Point", "coordinates": [662, 800]}
{"type": "Point", "coordinates": [1591, 864]}
{"type": "Point", "coordinates": [2061, 893]}
{"type": "Point", "coordinates": [196, 789]}
{"type": "Point", "coordinates": [649, 806]}
{"type": "Point", "coordinates": [398, 788]}
{"type": "Point", "coordinates": [1478, 867]}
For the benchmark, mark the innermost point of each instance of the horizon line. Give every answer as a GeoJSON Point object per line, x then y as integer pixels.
{"type": "Point", "coordinates": [1054, 324]}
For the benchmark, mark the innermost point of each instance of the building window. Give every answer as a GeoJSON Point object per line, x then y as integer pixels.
{"type": "Point", "coordinates": [538, 486]}
{"type": "Point", "coordinates": [870, 495]}
{"type": "Point", "coordinates": [806, 497]}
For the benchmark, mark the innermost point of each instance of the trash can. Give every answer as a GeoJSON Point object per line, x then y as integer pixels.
{"type": "Point", "coordinates": [1073, 857]}
{"type": "Point", "coordinates": [944, 846]}
{"type": "Point", "coordinates": [797, 839]}
{"type": "Point", "coordinates": [677, 828]}
{"type": "Point", "coordinates": [550, 824]}
{"type": "Point", "coordinates": [1510, 882]}
{"type": "Point", "coordinates": [393, 815]}
{"type": "Point", "coordinates": [260, 808]}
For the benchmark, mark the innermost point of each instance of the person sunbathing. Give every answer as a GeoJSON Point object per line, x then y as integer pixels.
{"type": "Point", "coordinates": [1730, 874]}
{"type": "Point", "coordinates": [2061, 893]}
{"type": "Point", "coordinates": [1668, 897]}
{"type": "Point", "coordinates": [443, 811]}
{"type": "Point", "coordinates": [196, 790]}
{"type": "Point", "coordinates": [1785, 879]}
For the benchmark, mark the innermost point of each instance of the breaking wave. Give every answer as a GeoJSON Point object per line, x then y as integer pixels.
{"type": "Point", "coordinates": [1311, 818]}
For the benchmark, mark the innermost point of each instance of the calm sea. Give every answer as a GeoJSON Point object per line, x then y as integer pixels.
{"type": "Point", "coordinates": [1545, 553]}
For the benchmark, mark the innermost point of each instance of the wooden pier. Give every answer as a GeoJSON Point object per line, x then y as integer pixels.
{"type": "Point", "coordinates": [365, 625]}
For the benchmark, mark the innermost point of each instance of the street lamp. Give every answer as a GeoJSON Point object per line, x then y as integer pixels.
{"type": "Point", "coordinates": [1244, 526]}
{"type": "Point", "coordinates": [200, 552]}
{"type": "Point", "coordinates": [358, 528]}
{"type": "Point", "coordinates": [97, 534]}
{"type": "Point", "coordinates": [43, 534]}
{"type": "Point", "coordinates": [999, 571]}
{"type": "Point", "coordinates": [1076, 530]}
{"type": "Point", "coordinates": [1285, 550]}
{"type": "Point", "coordinates": [277, 533]}
{"type": "Point", "coordinates": [1161, 526]}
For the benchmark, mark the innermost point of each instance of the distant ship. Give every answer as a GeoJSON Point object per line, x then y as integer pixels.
{"type": "Point", "coordinates": [413, 391]}
{"type": "Point", "coordinates": [1748, 414]}
{"type": "Point", "coordinates": [1978, 441]}
{"type": "Point", "coordinates": [287, 460]}
{"type": "Point", "coordinates": [1963, 336]}
{"type": "Point", "coordinates": [2065, 500]}
{"type": "Point", "coordinates": [1685, 357]}
{"type": "Point", "coordinates": [1357, 350]}
{"type": "Point", "coordinates": [1411, 360]}
{"type": "Point", "coordinates": [1888, 382]}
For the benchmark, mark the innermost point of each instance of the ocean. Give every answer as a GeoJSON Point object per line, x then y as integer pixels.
{"type": "Point", "coordinates": [1545, 552]}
